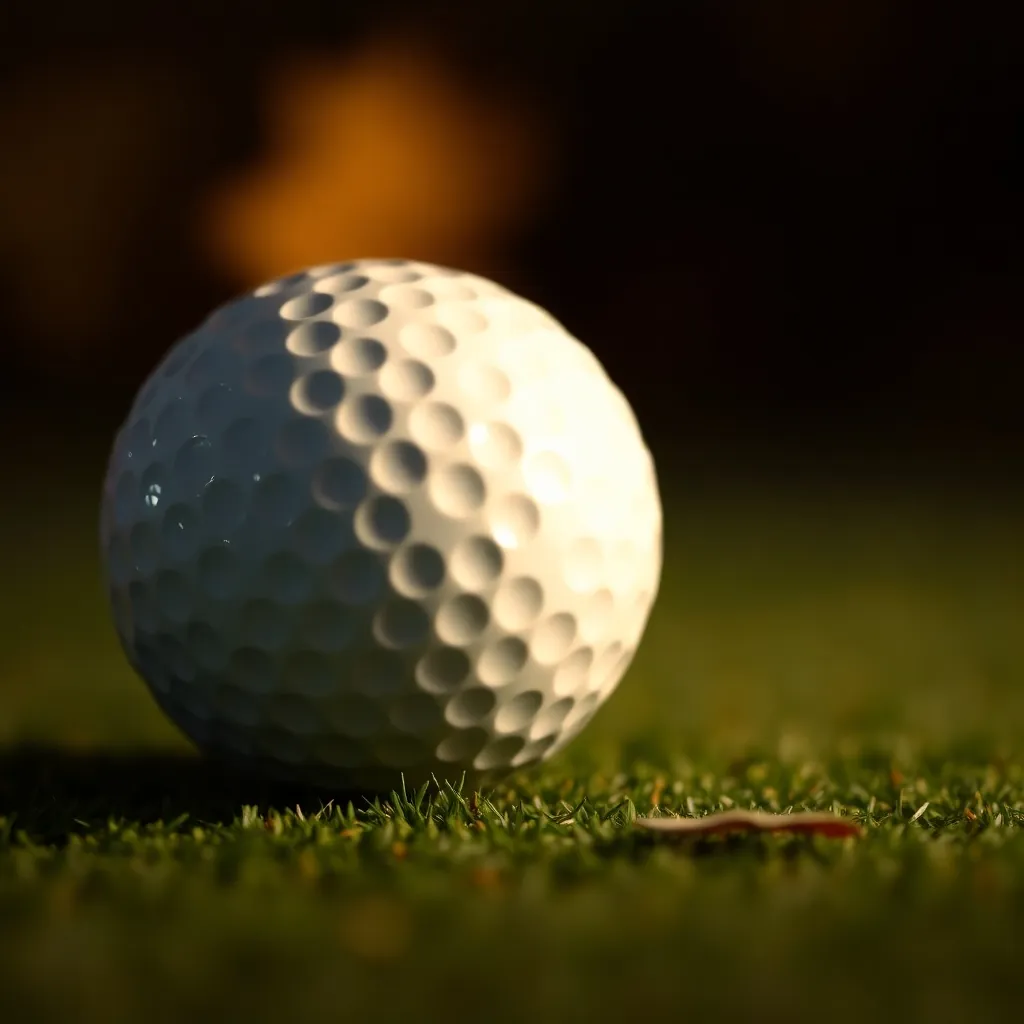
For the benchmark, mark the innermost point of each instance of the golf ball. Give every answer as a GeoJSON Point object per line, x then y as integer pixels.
{"type": "Point", "coordinates": [381, 518]}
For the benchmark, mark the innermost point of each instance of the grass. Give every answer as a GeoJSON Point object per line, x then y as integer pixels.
{"type": "Point", "coordinates": [854, 649]}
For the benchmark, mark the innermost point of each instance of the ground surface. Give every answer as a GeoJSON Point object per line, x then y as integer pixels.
{"type": "Point", "coordinates": [859, 650]}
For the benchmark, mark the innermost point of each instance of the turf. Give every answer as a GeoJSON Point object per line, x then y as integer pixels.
{"type": "Point", "coordinates": [855, 649]}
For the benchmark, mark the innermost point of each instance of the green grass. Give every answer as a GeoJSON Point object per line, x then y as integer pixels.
{"type": "Point", "coordinates": [857, 650]}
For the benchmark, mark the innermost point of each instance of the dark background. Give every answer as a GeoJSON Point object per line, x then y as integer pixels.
{"type": "Point", "coordinates": [792, 226]}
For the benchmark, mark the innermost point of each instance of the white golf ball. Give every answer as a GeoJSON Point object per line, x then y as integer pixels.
{"type": "Point", "coordinates": [381, 517]}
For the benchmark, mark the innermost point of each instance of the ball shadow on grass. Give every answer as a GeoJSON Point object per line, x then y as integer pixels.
{"type": "Point", "coordinates": [50, 792]}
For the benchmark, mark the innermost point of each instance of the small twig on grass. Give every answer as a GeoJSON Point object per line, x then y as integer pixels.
{"type": "Point", "coordinates": [808, 822]}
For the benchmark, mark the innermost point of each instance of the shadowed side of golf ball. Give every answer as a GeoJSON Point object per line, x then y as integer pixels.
{"type": "Point", "coordinates": [381, 517]}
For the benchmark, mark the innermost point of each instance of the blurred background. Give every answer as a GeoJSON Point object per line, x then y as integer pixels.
{"type": "Point", "coordinates": [791, 230]}
{"type": "Point", "coordinates": [793, 225]}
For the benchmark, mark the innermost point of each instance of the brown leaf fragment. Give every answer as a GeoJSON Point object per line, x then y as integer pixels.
{"type": "Point", "coordinates": [832, 826]}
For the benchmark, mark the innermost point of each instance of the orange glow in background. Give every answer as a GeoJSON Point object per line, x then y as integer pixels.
{"type": "Point", "coordinates": [381, 152]}
{"type": "Point", "coordinates": [388, 154]}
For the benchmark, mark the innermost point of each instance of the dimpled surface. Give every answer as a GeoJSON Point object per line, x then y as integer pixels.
{"type": "Point", "coordinates": [381, 517]}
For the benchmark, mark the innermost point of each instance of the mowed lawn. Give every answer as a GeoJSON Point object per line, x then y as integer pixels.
{"type": "Point", "coordinates": [854, 647]}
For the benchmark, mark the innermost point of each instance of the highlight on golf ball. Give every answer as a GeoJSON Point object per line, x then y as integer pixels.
{"type": "Point", "coordinates": [381, 518]}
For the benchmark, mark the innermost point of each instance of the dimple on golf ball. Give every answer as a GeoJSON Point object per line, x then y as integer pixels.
{"type": "Point", "coordinates": [381, 518]}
